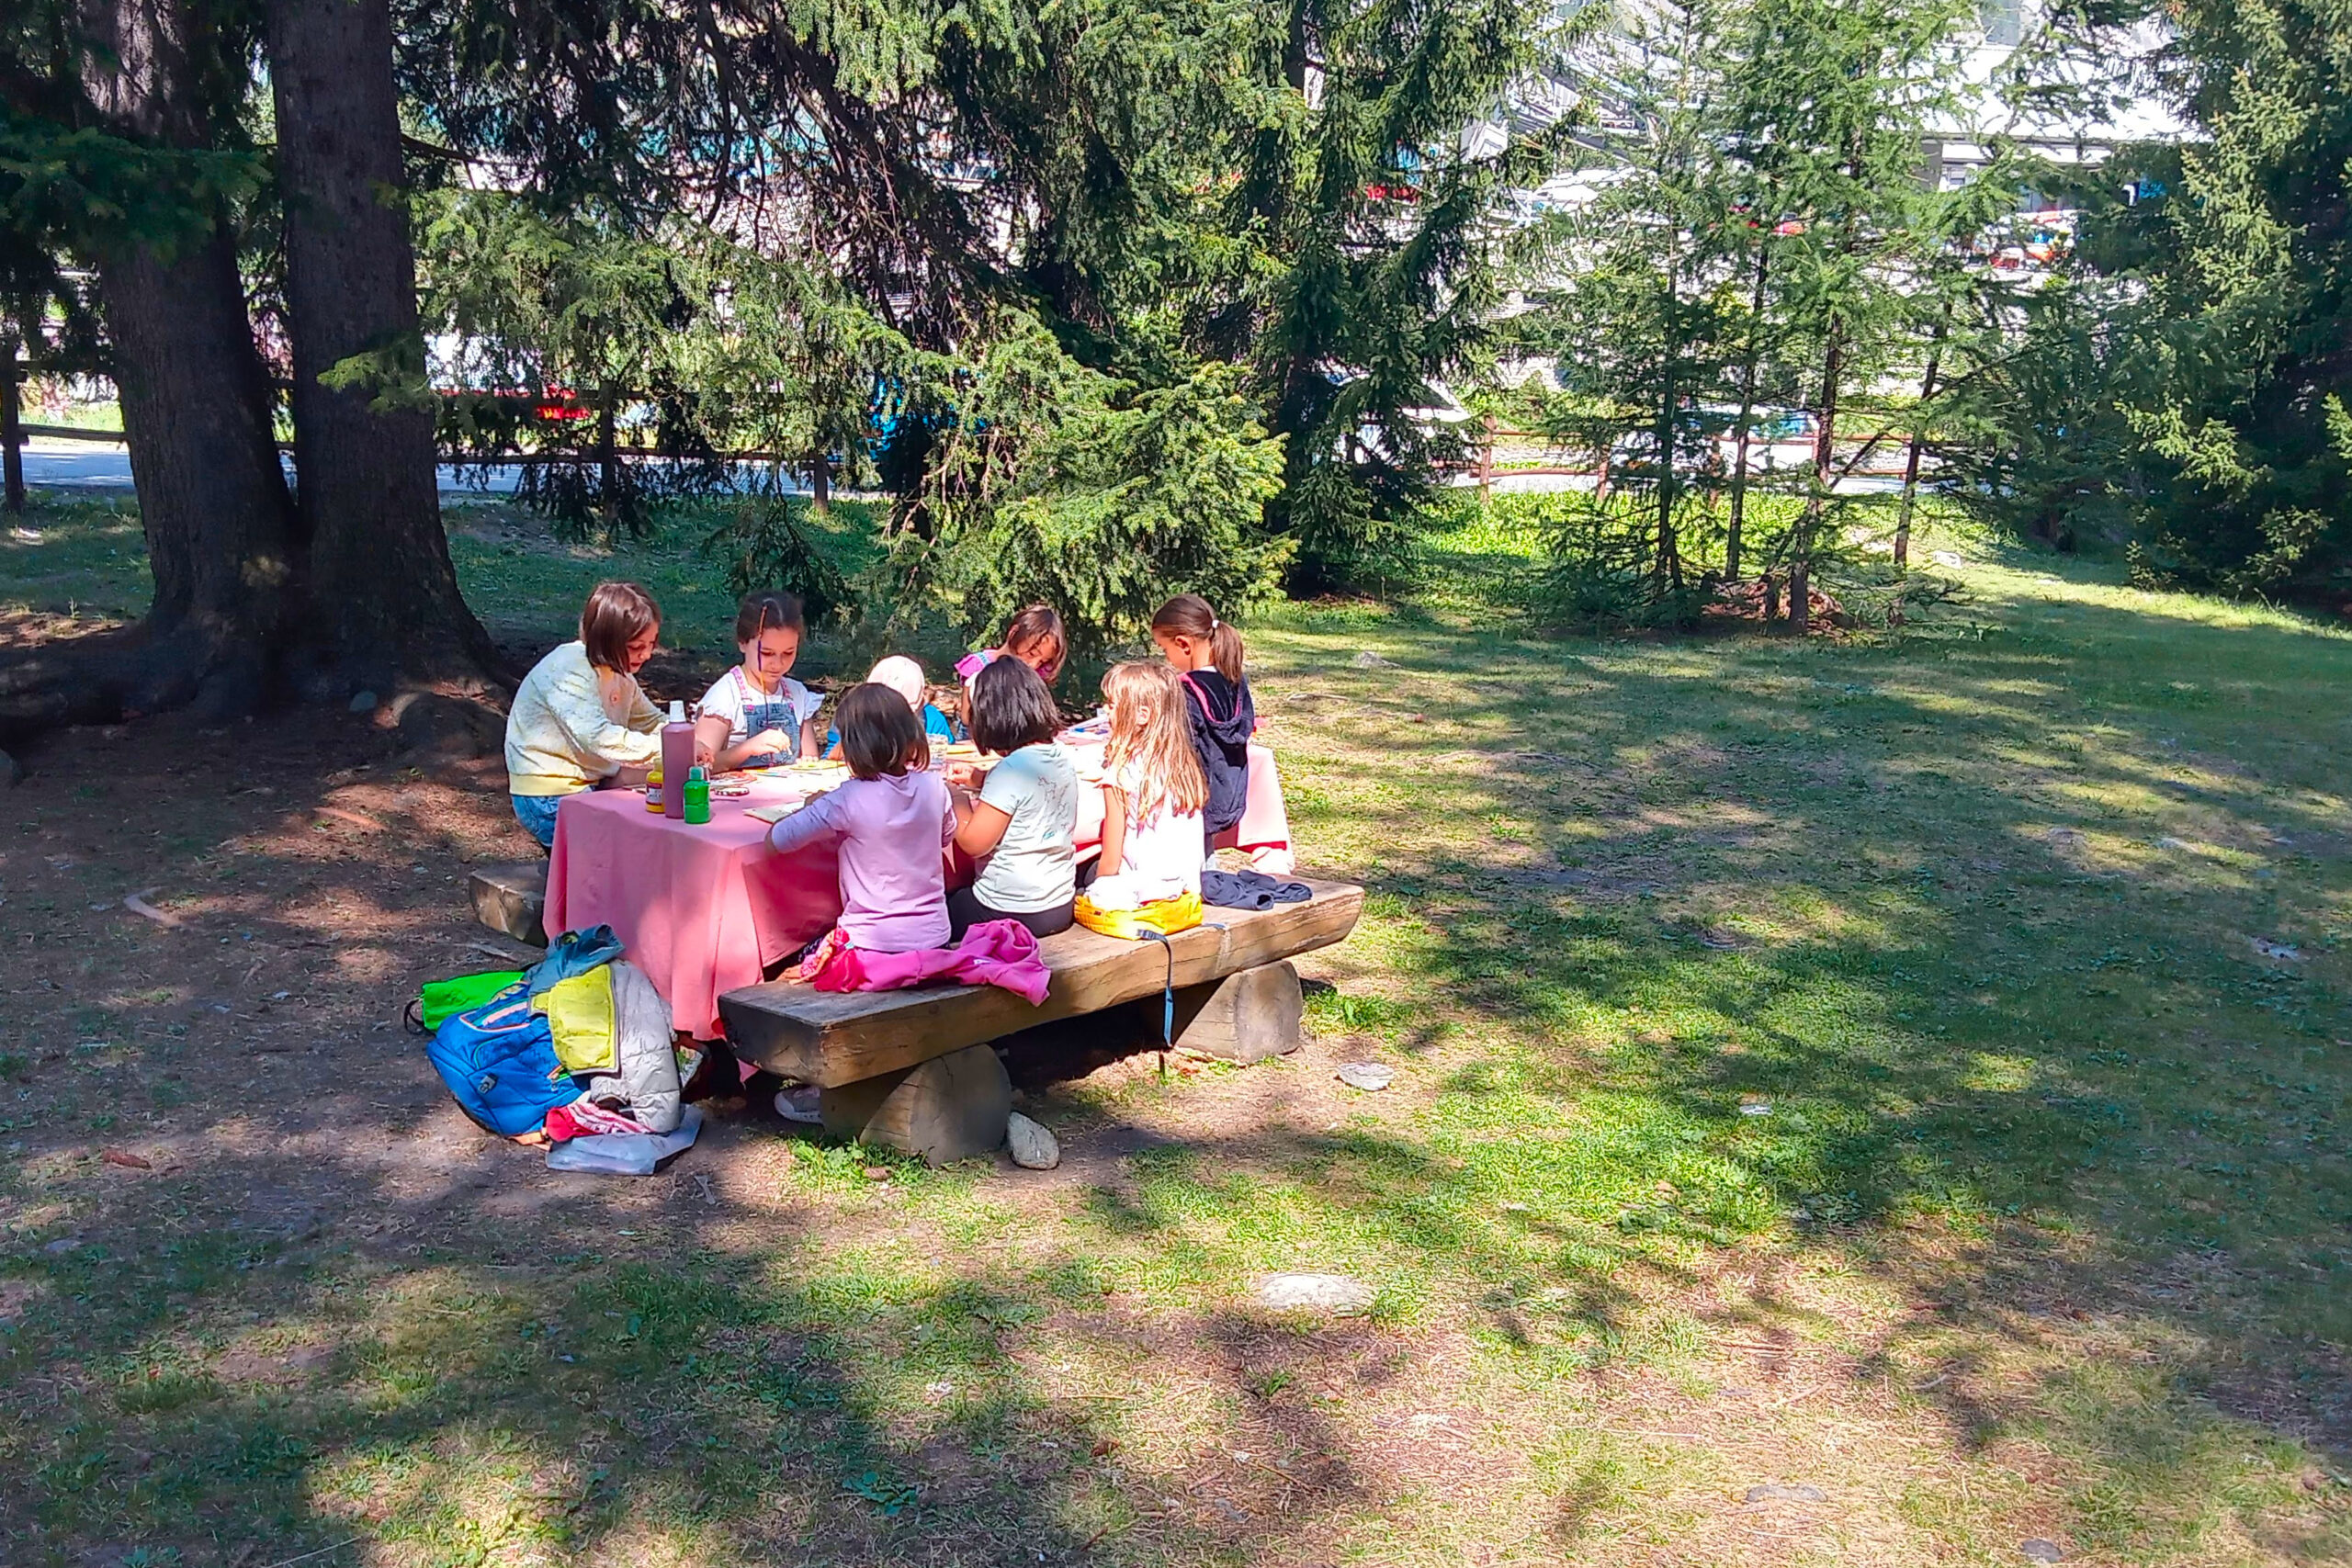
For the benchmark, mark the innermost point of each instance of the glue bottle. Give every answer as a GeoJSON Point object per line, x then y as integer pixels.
{"type": "Point", "coordinates": [697, 794]}
{"type": "Point", "coordinates": [677, 756]}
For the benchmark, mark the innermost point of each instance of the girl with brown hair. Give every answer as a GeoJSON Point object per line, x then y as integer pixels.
{"type": "Point", "coordinates": [1021, 827]}
{"type": "Point", "coordinates": [1206, 655]}
{"type": "Point", "coordinates": [755, 715]}
{"type": "Point", "coordinates": [1033, 635]}
{"type": "Point", "coordinates": [580, 719]}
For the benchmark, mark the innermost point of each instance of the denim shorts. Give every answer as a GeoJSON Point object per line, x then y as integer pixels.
{"type": "Point", "coordinates": [536, 813]}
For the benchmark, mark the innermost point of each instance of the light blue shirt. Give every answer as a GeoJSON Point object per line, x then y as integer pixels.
{"type": "Point", "coordinates": [1033, 866]}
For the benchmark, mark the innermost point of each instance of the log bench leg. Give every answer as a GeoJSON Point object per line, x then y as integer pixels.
{"type": "Point", "coordinates": [950, 1108]}
{"type": "Point", "coordinates": [511, 899]}
{"type": "Point", "coordinates": [1243, 1018]}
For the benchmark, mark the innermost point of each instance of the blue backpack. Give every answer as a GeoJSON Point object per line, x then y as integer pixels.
{"type": "Point", "coordinates": [499, 1061]}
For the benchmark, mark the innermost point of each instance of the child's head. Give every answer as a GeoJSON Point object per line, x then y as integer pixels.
{"type": "Point", "coordinates": [1035, 637]}
{"type": "Point", "coordinates": [768, 629]}
{"type": "Point", "coordinates": [880, 733]}
{"type": "Point", "coordinates": [1148, 729]}
{"type": "Point", "coordinates": [902, 675]}
{"type": "Point", "coordinates": [1011, 708]}
{"type": "Point", "coordinates": [1185, 626]}
{"type": "Point", "coordinates": [620, 626]}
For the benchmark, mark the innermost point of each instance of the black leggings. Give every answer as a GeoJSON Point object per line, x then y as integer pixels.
{"type": "Point", "coordinates": [965, 911]}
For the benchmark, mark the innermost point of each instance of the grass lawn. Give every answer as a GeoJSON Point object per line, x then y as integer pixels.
{"type": "Point", "coordinates": [1877, 1100]}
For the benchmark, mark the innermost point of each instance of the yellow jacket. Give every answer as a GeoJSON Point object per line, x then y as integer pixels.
{"type": "Point", "coordinates": [572, 725]}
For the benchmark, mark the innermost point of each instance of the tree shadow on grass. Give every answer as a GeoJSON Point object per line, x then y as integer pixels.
{"type": "Point", "coordinates": [332, 1318]}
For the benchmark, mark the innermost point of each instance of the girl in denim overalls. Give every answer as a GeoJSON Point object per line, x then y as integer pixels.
{"type": "Point", "coordinates": [755, 715]}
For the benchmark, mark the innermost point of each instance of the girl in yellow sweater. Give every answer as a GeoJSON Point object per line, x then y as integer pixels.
{"type": "Point", "coordinates": [580, 719]}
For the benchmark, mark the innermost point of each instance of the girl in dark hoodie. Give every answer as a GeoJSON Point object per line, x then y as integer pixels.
{"type": "Point", "coordinates": [1207, 653]}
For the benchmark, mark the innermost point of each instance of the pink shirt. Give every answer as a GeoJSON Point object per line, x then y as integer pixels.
{"type": "Point", "coordinates": [892, 833]}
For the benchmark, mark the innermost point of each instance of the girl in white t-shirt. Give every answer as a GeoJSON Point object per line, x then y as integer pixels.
{"type": "Point", "coordinates": [1153, 788]}
{"type": "Point", "coordinates": [755, 715]}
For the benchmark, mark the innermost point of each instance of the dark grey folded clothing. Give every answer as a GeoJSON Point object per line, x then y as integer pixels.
{"type": "Point", "coordinates": [1251, 890]}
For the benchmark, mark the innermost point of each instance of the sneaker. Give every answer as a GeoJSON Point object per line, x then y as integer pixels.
{"type": "Point", "coordinates": [798, 1104]}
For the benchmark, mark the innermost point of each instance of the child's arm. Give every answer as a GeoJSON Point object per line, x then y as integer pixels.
{"type": "Point", "coordinates": [711, 731]}
{"type": "Point", "coordinates": [1115, 829]}
{"type": "Point", "coordinates": [813, 821]}
{"type": "Point", "coordinates": [980, 826]}
{"type": "Point", "coordinates": [811, 738]}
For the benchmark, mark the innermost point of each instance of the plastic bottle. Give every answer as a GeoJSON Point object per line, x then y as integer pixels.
{"type": "Point", "coordinates": [677, 756]}
{"type": "Point", "coordinates": [654, 791]}
{"type": "Point", "coordinates": [697, 797]}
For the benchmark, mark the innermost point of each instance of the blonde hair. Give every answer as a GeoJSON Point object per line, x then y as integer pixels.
{"type": "Point", "coordinates": [1151, 729]}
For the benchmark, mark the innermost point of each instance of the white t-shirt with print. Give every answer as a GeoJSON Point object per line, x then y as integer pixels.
{"type": "Point", "coordinates": [1162, 857]}
{"type": "Point", "coordinates": [1033, 866]}
{"type": "Point", "coordinates": [731, 694]}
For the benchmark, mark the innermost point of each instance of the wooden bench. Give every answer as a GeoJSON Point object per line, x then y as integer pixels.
{"type": "Point", "coordinates": [916, 1069]}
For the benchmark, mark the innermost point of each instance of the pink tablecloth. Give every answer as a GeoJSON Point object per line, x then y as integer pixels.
{"type": "Point", "coordinates": [703, 910]}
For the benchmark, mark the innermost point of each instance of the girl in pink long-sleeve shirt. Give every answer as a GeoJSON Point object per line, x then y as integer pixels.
{"type": "Point", "coordinates": [892, 820]}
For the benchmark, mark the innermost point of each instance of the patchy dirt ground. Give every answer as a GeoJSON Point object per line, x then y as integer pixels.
{"type": "Point", "coordinates": [1854, 1103]}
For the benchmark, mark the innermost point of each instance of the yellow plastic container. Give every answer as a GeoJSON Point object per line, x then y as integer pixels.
{"type": "Point", "coordinates": [1166, 916]}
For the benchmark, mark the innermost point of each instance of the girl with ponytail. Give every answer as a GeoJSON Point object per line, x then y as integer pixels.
{"type": "Point", "coordinates": [1207, 653]}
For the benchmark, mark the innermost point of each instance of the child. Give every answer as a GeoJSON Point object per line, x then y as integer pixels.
{"type": "Point", "coordinates": [904, 676]}
{"type": "Point", "coordinates": [893, 821]}
{"type": "Point", "coordinates": [580, 719]}
{"type": "Point", "coordinates": [1207, 653]}
{"type": "Point", "coordinates": [1153, 788]}
{"type": "Point", "coordinates": [1027, 808]}
{"type": "Point", "coordinates": [1033, 635]}
{"type": "Point", "coordinates": [755, 715]}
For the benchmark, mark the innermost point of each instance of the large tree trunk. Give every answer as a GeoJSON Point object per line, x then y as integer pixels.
{"type": "Point", "coordinates": [12, 429]}
{"type": "Point", "coordinates": [197, 409]}
{"type": "Point", "coordinates": [382, 594]}
{"type": "Point", "coordinates": [197, 416]}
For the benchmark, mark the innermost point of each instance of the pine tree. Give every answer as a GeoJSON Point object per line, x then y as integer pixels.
{"type": "Point", "coordinates": [380, 593]}
{"type": "Point", "coordinates": [1831, 103]}
{"type": "Point", "coordinates": [1368, 270]}
{"type": "Point", "coordinates": [1632, 293]}
{"type": "Point", "coordinates": [2187, 386]}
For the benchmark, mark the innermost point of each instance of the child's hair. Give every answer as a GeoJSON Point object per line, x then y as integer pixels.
{"type": "Point", "coordinates": [902, 675]}
{"type": "Point", "coordinates": [1188, 614]}
{"type": "Point", "coordinates": [1011, 708]}
{"type": "Point", "coordinates": [768, 611]}
{"type": "Point", "coordinates": [616, 614]}
{"type": "Point", "coordinates": [1034, 624]}
{"type": "Point", "coordinates": [1150, 729]}
{"type": "Point", "coordinates": [879, 732]}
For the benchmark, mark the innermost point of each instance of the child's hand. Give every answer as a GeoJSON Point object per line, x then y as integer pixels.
{"type": "Point", "coordinates": [771, 740]}
{"type": "Point", "coordinates": [964, 775]}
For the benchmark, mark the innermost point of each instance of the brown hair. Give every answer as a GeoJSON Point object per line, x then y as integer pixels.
{"type": "Point", "coordinates": [1189, 615]}
{"type": "Point", "coordinates": [879, 732]}
{"type": "Point", "coordinates": [1011, 708]}
{"type": "Point", "coordinates": [768, 611]}
{"type": "Point", "coordinates": [1034, 624]}
{"type": "Point", "coordinates": [1150, 727]}
{"type": "Point", "coordinates": [616, 614]}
